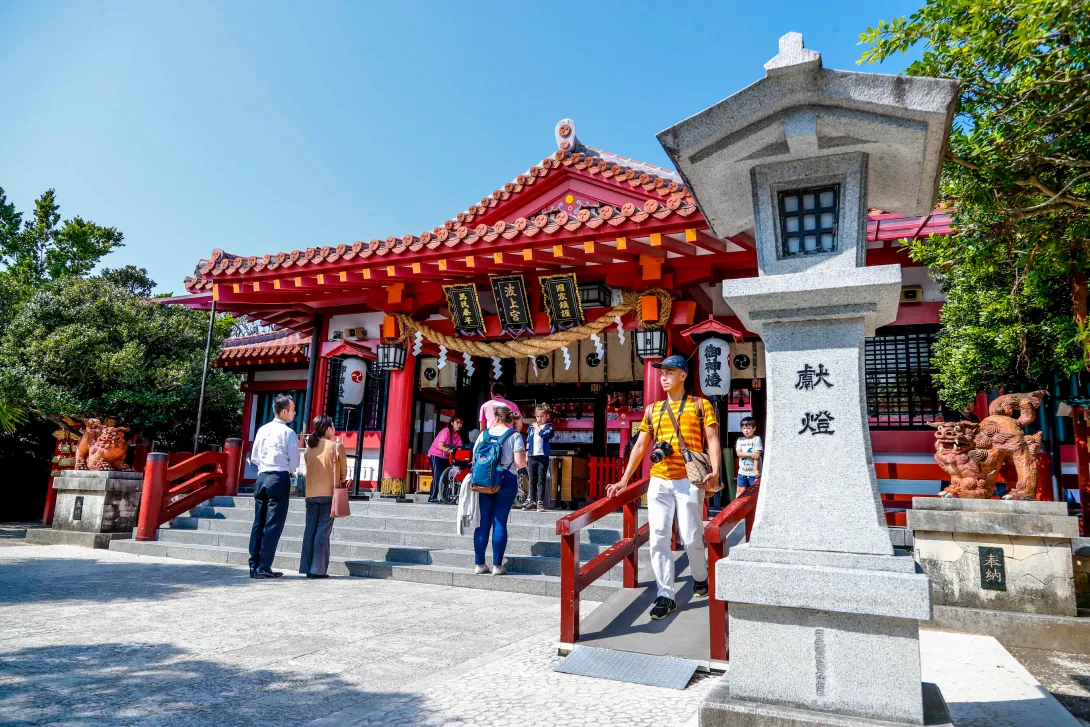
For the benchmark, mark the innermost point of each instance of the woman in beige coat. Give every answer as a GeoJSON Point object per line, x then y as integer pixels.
{"type": "Point", "coordinates": [327, 468]}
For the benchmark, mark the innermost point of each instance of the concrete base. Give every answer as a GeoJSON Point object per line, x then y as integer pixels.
{"type": "Point", "coordinates": [826, 630]}
{"type": "Point", "coordinates": [720, 710]}
{"type": "Point", "coordinates": [1035, 538]}
{"type": "Point", "coordinates": [92, 501]}
{"type": "Point", "coordinates": [48, 536]}
{"type": "Point", "coordinates": [1016, 630]}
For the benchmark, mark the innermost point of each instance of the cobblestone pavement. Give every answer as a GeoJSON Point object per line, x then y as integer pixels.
{"type": "Point", "coordinates": [102, 638]}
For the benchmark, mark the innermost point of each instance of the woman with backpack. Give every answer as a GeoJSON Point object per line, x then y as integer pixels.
{"type": "Point", "coordinates": [499, 452]}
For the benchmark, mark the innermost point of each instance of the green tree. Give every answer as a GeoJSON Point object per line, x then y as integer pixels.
{"type": "Point", "coordinates": [1017, 177]}
{"type": "Point", "coordinates": [44, 249]}
{"type": "Point", "coordinates": [97, 346]}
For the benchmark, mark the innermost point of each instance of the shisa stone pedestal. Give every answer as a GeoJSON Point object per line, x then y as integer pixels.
{"type": "Point", "coordinates": [824, 616]}
{"type": "Point", "coordinates": [92, 509]}
{"type": "Point", "coordinates": [1004, 555]}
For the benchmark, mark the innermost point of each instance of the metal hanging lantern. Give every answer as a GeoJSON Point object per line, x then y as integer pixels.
{"type": "Point", "coordinates": [651, 343]}
{"type": "Point", "coordinates": [390, 357]}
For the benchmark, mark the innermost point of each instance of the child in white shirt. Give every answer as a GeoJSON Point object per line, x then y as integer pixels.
{"type": "Point", "coordinates": [749, 449]}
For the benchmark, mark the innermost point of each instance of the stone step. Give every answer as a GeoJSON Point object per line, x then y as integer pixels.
{"type": "Point", "coordinates": [372, 508]}
{"type": "Point", "coordinates": [344, 533]}
{"type": "Point", "coordinates": [520, 526]}
{"type": "Point", "coordinates": [542, 585]}
{"type": "Point", "coordinates": [455, 558]}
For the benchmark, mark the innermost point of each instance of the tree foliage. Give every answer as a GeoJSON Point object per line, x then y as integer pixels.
{"type": "Point", "coordinates": [1017, 177]}
{"type": "Point", "coordinates": [43, 249]}
{"type": "Point", "coordinates": [94, 347]}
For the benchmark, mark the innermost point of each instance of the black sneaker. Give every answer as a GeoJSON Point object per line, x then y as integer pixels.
{"type": "Point", "coordinates": [700, 589]}
{"type": "Point", "coordinates": [663, 607]}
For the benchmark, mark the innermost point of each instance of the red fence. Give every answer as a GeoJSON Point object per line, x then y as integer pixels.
{"type": "Point", "coordinates": [574, 578]}
{"type": "Point", "coordinates": [715, 533]}
{"type": "Point", "coordinates": [174, 483]}
{"type": "Point", "coordinates": [604, 471]}
{"type": "Point", "coordinates": [896, 503]}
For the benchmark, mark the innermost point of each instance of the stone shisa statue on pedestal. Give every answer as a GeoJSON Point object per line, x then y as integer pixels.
{"type": "Point", "coordinates": [102, 448]}
{"type": "Point", "coordinates": [973, 454]}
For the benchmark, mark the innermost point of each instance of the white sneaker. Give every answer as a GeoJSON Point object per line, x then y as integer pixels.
{"type": "Point", "coordinates": [499, 570]}
{"type": "Point", "coordinates": [481, 570]}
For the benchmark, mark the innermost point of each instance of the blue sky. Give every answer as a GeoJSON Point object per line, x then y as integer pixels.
{"type": "Point", "coordinates": [260, 127]}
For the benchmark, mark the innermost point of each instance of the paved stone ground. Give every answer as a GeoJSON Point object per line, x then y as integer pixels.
{"type": "Point", "coordinates": [1066, 676]}
{"type": "Point", "coordinates": [102, 638]}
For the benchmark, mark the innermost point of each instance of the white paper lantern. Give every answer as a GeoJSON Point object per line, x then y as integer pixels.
{"type": "Point", "coordinates": [714, 371]}
{"type": "Point", "coordinates": [353, 381]}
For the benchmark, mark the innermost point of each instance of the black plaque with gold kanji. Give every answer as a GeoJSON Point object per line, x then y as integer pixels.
{"type": "Point", "coordinates": [993, 569]}
{"type": "Point", "coordinates": [561, 294]}
{"type": "Point", "coordinates": [512, 303]}
{"type": "Point", "coordinates": [465, 308]}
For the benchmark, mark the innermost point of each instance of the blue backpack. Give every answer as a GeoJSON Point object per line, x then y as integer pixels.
{"type": "Point", "coordinates": [486, 463]}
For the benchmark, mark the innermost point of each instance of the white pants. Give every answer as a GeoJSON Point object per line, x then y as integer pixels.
{"type": "Point", "coordinates": [664, 497]}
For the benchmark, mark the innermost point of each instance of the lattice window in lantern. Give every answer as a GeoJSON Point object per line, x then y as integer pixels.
{"type": "Point", "coordinates": [808, 220]}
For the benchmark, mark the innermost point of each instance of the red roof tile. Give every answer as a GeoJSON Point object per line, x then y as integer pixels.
{"type": "Point", "coordinates": [666, 196]}
{"type": "Point", "coordinates": [276, 347]}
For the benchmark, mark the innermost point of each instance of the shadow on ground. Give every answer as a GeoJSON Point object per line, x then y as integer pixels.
{"type": "Point", "coordinates": [30, 580]}
{"type": "Point", "coordinates": [118, 684]}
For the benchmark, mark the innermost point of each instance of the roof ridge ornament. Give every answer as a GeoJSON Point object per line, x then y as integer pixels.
{"type": "Point", "coordinates": [793, 57]}
{"type": "Point", "coordinates": [566, 140]}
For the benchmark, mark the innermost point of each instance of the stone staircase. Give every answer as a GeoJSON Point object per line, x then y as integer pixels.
{"type": "Point", "coordinates": [402, 541]}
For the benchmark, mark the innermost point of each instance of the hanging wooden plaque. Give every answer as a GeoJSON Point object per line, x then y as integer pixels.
{"type": "Point", "coordinates": [562, 302]}
{"type": "Point", "coordinates": [465, 307]}
{"type": "Point", "coordinates": [512, 303]}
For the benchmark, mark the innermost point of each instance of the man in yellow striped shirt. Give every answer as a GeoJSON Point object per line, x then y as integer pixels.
{"type": "Point", "coordinates": [670, 490]}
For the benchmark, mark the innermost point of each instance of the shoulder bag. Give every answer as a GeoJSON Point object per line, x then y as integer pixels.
{"type": "Point", "coordinates": [697, 463]}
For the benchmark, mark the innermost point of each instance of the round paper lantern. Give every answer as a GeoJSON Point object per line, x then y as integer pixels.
{"type": "Point", "coordinates": [714, 371]}
{"type": "Point", "coordinates": [353, 381]}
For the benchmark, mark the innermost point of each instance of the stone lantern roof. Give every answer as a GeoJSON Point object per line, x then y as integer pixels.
{"type": "Point", "coordinates": [801, 110]}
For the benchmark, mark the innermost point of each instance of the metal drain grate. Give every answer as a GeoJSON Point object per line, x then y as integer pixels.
{"type": "Point", "coordinates": [626, 666]}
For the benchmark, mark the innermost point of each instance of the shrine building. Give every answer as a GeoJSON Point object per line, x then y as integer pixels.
{"type": "Point", "coordinates": [621, 243]}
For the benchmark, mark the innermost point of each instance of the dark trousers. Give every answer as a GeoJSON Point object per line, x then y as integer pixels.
{"type": "Point", "coordinates": [271, 494]}
{"type": "Point", "coordinates": [494, 512]}
{"type": "Point", "coordinates": [539, 474]}
{"type": "Point", "coordinates": [315, 556]}
{"type": "Point", "coordinates": [438, 466]}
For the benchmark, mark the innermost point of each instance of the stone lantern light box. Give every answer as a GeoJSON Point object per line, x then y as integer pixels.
{"type": "Point", "coordinates": [824, 615]}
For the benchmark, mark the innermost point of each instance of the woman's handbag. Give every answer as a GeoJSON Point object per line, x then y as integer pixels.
{"type": "Point", "coordinates": [340, 507]}
{"type": "Point", "coordinates": [697, 464]}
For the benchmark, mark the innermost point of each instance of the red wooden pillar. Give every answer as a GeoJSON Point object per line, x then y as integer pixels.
{"type": "Point", "coordinates": [1082, 462]}
{"type": "Point", "coordinates": [717, 610]}
{"type": "Point", "coordinates": [232, 465]}
{"type": "Point", "coordinates": [50, 504]}
{"type": "Point", "coordinates": [631, 525]}
{"type": "Point", "coordinates": [151, 500]}
{"type": "Point", "coordinates": [395, 440]}
{"type": "Point", "coordinates": [569, 592]}
{"type": "Point", "coordinates": [652, 392]}
{"type": "Point", "coordinates": [1045, 492]}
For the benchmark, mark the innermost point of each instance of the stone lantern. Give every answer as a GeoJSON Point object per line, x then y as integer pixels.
{"type": "Point", "coordinates": [823, 613]}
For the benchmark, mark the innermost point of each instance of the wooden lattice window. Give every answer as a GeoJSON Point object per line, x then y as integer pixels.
{"type": "Point", "coordinates": [900, 391]}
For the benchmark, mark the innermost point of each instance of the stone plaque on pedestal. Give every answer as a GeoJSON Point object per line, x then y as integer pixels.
{"type": "Point", "coordinates": [824, 615]}
{"type": "Point", "coordinates": [1003, 555]}
{"type": "Point", "coordinates": [93, 508]}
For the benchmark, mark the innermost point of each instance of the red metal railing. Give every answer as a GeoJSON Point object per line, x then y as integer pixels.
{"type": "Point", "coordinates": [715, 534]}
{"type": "Point", "coordinates": [170, 490]}
{"type": "Point", "coordinates": [604, 471]}
{"type": "Point", "coordinates": [574, 578]}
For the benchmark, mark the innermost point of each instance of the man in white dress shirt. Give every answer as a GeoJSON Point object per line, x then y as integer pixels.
{"type": "Point", "coordinates": [276, 456]}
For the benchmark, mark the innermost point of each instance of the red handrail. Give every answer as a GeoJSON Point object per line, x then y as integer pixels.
{"type": "Point", "coordinates": [574, 578]}
{"type": "Point", "coordinates": [716, 533]}
{"type": "Point", "coordinates": [171, 490]}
